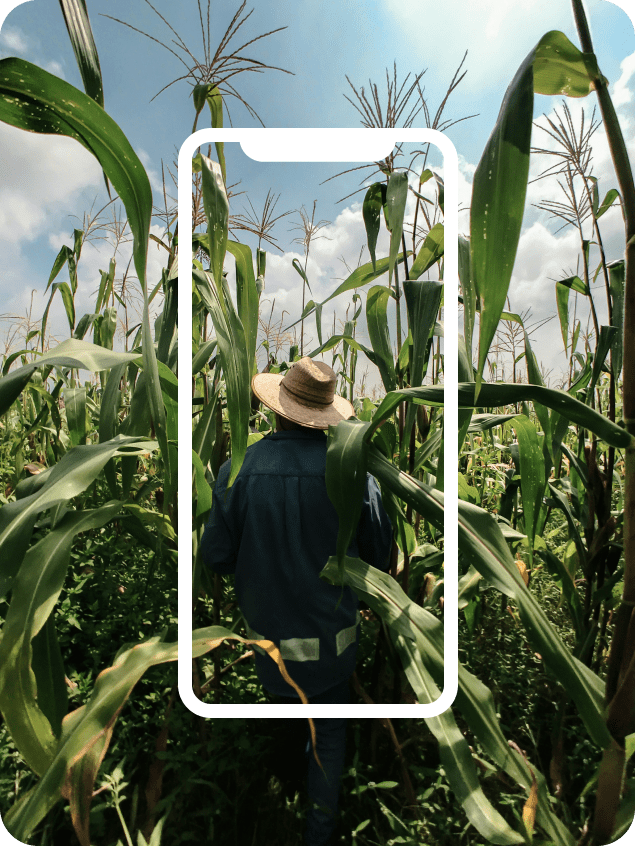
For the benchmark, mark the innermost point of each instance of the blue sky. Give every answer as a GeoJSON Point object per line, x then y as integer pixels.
{"type": "Point", "coordinates": [43, 181]}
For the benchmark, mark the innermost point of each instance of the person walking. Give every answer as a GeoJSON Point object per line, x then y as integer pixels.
{"type": "Point", "coordinates": [275, 529]}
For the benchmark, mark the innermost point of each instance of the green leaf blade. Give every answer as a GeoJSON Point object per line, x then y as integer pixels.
{"type": "Point", "coordinates": [81, 35]}
{"type": "Point", "coordinates": [379, 333]}
{"type": "Point", "coordinates": [374, 200]}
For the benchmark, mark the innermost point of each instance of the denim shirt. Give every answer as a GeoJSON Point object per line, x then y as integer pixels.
{"type": "Point", "coordinates": [275, 529]}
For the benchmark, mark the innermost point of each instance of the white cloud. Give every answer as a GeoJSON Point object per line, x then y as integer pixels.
{"type": "Point", "coordinates": [42, 177]}
{"type": "Point", "coordinates": [43, 181]}
{"type": "Point", "coordinates": [542, 257]}
{"type": "Point", "coordinates": [15, 42]}
{"type": "Point", "coordinates": [498, 34]}
{"type": "Point", "coordinates": [622, 94]}
{"type": "Point", "coordinates": [55, 68]}
{"type": "Point", "coordinates": [12, 40]}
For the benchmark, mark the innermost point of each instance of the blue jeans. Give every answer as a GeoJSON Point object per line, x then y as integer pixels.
{"type": "Point", "coordinates": [323, 784]}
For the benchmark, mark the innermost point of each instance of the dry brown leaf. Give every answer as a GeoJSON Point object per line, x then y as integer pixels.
{"type": "Point", "coordinates": [522, 569]}
{"type": "Point", "coordinates": [531, 805]}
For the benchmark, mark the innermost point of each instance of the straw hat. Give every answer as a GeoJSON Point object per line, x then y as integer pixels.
{"type": "Point", "coordinates": [305, 394]}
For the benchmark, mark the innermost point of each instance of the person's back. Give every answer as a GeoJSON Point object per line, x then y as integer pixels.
{"type": "Point", "coordinates": [276, 528]}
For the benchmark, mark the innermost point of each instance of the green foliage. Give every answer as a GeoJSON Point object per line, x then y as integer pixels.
{"type": "Point", "coordinates": [555, 66]}
{"type": "Point", "coordinates": [544, 711]}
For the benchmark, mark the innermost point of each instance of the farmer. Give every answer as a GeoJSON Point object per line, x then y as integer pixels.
{"type": "Point", "coordinates": [275, 529]}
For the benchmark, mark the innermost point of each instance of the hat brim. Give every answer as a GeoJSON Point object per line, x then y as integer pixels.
{"type": "Point", "coordinates": [266, 386]}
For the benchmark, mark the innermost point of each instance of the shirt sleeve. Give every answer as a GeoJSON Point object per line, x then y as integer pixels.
{"type": "Point", "coordinates": [219, 546]}
{"type": "Point", "coordinates": [374, 531]}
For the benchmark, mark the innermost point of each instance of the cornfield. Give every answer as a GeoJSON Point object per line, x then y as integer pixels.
{"type": "Point", "coordinates": [545, 522]}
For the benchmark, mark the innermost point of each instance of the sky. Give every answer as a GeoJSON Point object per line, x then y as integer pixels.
{"type": "Point", "coordinates": [48, 185]}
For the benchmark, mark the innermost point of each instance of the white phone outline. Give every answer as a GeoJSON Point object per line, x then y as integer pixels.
{"type": "Point", "coordinates": [321, 145]}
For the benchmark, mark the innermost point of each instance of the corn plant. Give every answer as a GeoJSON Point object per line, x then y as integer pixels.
{"type": "Point", "coordinates": [555, 66]}
{"type": "Point", "coordinates": [80, 435]}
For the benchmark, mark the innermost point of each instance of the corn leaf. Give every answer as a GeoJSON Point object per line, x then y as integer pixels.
{"type": "Point", "coordinates": [48, 667]}
{"type": "Point", "coordinates": [110, 403]}
{"type": "Point", "coordinates": [427, 449]}
{"type": "Point", "coordinates": [483, 545]}
{"type": "Point", "coordinates": [139, 421]}
{"type": "Point", "coordinates": [429, 253]}
{"type": "Point", "coordinates": [204, 435]}
{"type": "Point", "coordinates": [374, 200]}
{"type": "Point", "coordinates": [604, 343]}
{"type": "Point", "coordinates": [167, 322]}
{"type": "Point", "coordinates": [69, 305]}
{"type": "Point", "coordinates": [351, 342]}
{"type": "Point", "coordinates": [216, 206]}
{"type": "Point", "coordinates": [80, 781]}
{"type": "Point", "coordinates": [35, 590]}
{"type": "Point", "coordinates": [484, 422]}
{"type": "Point", "coordinates": [346, 477]}
{"type": "Point", "coordinates": [75, 407]}
{"type": "Point", "coordinates": [532, 475]}
{"type": "Point", "coordinates": [208, 93]}
{"type": "Point", "coordinates": [202, 356]}
{"type": "Point", "coordinates": [562, 302]}
{"type": "Point", "coordinates": [247, 298]}
{"type": "Point", "coordinates": [81, 35]}
{"type": "Point", "coordinates": [232, 349]}
{"type": "Point", "coordinates": [561, 501]}
{"type": "Point", "coordinates": [203, 490]}
{"type": "Point", "coordinates": [168, 389]}
{"type": "Point", "coordinates": [65, 255]}
{"type": "Point", "coordinates": [68, 478]}
{"type": "Point", "coordinates": [379, 333]}
{"type": "Point", "coordinates": [396, 195]}
{"type": "Point", "coordinates": [474, 700]}
{"type": "Point", "coordinates": [456, 758]}
{"type": "Point", "coordinates": [300, 271]}
{"type": "Point", "coordinates": [81, 355]}
{"type": "Point", "coordinates": [506, 393]}
{"type": "Point", "coordinates": [32, 99]}
{"type": "Point", "coordinates": [84, 727]}
{"type": "Point", "coordinates": [106, 286]}
{"type": "Point", "coordinates": [574, 283]}
{"type": "Point", "coordinates": [554, 66]}
{"type": "Point", "coordinates": [469, 297]}
{"type": "Point", "coordinates": [534, 376]}
{"type": "Point", "coordinates": [423, 299]}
